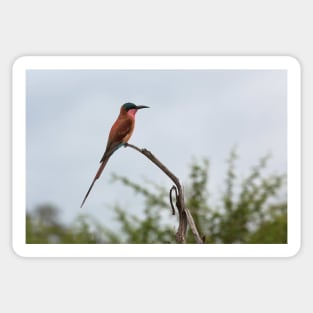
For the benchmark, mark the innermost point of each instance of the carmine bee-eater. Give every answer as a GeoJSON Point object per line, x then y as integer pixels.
{"type": "Point", "coordinates": [119, 134]}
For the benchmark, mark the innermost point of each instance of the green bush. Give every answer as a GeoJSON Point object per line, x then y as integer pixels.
{"type": "Point", "coordinates": [252, 210]}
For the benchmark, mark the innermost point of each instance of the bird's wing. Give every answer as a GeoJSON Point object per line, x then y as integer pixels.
{"type": "Point", "coordinates": [118, 132]}
{"type": "Point", "coordinates": [122, 130]}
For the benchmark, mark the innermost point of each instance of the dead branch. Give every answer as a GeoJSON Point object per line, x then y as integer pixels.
{"type": "Point", "coordinates": [185, 217]}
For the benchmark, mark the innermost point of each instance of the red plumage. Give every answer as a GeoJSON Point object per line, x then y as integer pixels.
{"type": "Point", "coordinates": [120, 133]}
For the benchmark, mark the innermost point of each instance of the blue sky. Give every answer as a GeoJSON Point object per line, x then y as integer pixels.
{"type": "Point", "coordinates": [194, 113]}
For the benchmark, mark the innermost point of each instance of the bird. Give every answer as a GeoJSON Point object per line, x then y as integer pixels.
{"type": "Point", "coordinates": [119, 135]}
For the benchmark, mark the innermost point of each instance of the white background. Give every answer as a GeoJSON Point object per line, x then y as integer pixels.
{"type": "Point", "coordinates": [161, 27]}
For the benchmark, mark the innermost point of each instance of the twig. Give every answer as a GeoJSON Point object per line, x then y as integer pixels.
{"type": "Point", "coordinates": [171, 198]}
{"type": "Point", "coordinates": [185, 217]}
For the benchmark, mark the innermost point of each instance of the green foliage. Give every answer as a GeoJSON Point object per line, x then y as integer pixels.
{"type": "Point", "coordinates": [148, 229]}
{"type": "Point", "coordinates": [242, 219]}
{"type": "Point", "coordinates": [43, 226]}
{"type": "Point", "coordinates": [251, 210]}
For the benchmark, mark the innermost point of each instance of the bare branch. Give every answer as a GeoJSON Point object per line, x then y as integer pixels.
{"type": "Point", "coordinates": [185, 217]}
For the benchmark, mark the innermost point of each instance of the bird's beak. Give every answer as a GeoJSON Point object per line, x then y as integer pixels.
{"type": "Point", "coordinates": [141, 107]}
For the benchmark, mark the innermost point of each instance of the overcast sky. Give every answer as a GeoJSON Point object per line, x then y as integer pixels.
{"type": "Point", "coordinates": [194, 113]}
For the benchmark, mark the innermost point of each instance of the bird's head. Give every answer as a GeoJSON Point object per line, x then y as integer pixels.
{"type": "Point", "coordinates": [132, 108]}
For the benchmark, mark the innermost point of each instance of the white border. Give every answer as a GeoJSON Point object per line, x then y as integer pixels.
{"type": "Point", "coordinates": [155, 62]}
